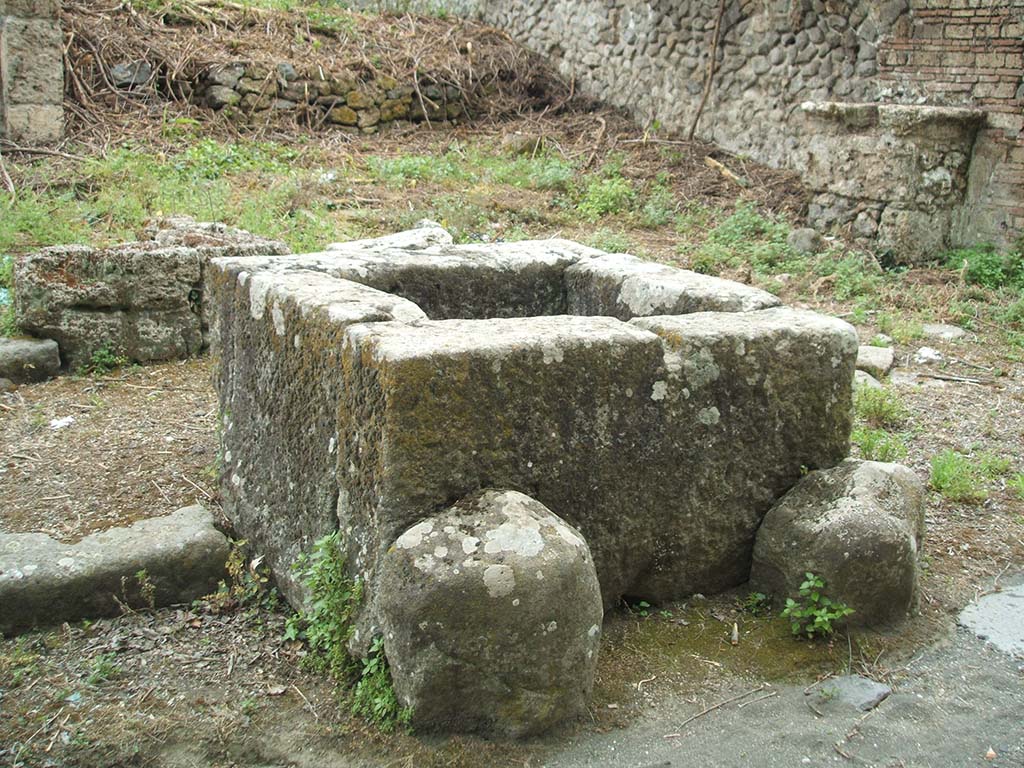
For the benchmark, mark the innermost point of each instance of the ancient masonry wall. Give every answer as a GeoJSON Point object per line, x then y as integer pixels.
{"type": "Point", "coordinates": [652, 58]}
{"type": "Point", "coordinates": [31, 71]}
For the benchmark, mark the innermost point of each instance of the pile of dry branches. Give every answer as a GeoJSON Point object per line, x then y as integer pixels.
{"type": "Point", "coordinates": [167, 48]}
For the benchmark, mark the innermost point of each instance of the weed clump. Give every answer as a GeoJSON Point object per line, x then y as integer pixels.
{"type": "Point", "coordinates": [958, 477]}
{"type": "Point", "coordinates": [879, 408]}
{"type": "Point", "coordinates": [327, 624]}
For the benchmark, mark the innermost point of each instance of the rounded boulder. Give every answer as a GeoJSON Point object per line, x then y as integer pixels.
{"type": "Point", "coordinates": [859, 526]}
{"type": "Point", "coordinates": [491, 612]}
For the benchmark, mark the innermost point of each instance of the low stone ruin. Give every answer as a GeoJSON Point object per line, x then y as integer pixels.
{"type": "Point", "coordinates": [141, 300]}
{"type": "Point", "coordinates": [342, 98]}
{"type": "Point", "coordinates": [510, 437]}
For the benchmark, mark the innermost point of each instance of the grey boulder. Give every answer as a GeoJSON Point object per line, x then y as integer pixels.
{"type": "Point", "coordinates": [168, 560]}
{"type": "Point", "coordinates": [859, 526]}
{"type": "Point", "coordinates": [492, 617]}
{"type": "Point", "coordinates": [27, 360]}
{"type": "Point", "coordinates": [806, 241]}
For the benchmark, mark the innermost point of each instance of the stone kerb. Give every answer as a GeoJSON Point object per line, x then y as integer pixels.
{"type": "Point", "coordinates": [371, 386]}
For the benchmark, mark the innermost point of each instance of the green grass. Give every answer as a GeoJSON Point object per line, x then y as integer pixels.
{"type": "Point", "coordinates": [957, 477]}
{"type": "Point", "coordinates": [961, 477]}
{"type": "Point", "coordinates": [880, 408]}
{"type": "Point", "coordinates": [879, 445]}
{"type": "Point", "coordinates": [458, 167]}
{"type": "Point", "coordinates": [604, 196]}
{"type": "Point", "coordinates": [902, 329]}
{"type": "Point", "coordinates": [985, 266]}
{"type": "Point", "coordinates": [254, 185]}
{"type": "Point", "coordinates": [744, 237]}
{"type": "Point", "coordinates": [1016, 485]}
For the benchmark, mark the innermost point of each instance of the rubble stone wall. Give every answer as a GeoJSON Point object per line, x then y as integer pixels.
{"type": "Point", "coordinates": [652, 59]}
{"type": "Point", "coordinates": [31, 71]}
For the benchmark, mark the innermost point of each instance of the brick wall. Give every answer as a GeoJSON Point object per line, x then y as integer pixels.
{"type": "Point", "coordinates": [970, 53]}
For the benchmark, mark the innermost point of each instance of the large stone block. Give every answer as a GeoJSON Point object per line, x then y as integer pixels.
{"type": "Point", "coordinates": [491, 617]}
{"type": "Point", "coordinates": [555, 407]}
{"type": "Point", "coordinates": [23, 360]}
{"type": "Point", "coordinates": [750, 402]}
{"type": "Point", "coordinates": [31, 54]}
{"type": "Point", "coordinates": [860, 527]}
{"type": "Point", "coordinates": [663, 440]}
{"type": "Point", "coordinates": [32, 123]}
{"type": "Point", "coordinates": [624, 286]}
{"type": "Point", "coordinates": [279, 383]}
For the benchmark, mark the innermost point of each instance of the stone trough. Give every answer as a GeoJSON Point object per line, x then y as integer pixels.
{"type": "Point", "coordinates": [511, 438]}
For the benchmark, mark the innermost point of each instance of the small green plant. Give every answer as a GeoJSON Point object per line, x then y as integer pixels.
{"type": "Point", "coordinates": [603, 196]}
{"type": "Point", "coordinates": [879, 341]}
{"type": "Point", "coordinates": [374, 695]}
{"type": "Point", "coordinates": [103, 669]}
{"type": "Point", "coordinates": [756, 604]}
{"type": "Point", "coordinates": [666, 614]}
{"type": "Point", "coordinates": [957, 478]}
{"type": "Point", "coordinates": [641, 608]}
{"type": "Point", "coordinates": [103, 360]}
{"type": "Point", "coordinates": [18, 663]}
{"type": "Point", "coordinates": [146, 588]}
{"type": "Point", "coordinates": [1016, 485]}
{"type": "Point", "coordinates": [901, 329]}
{"type": "Point", "coordinates": [814, 613]}
{"type": "Point", "coordinates": [326, 624]}
{"type": "Point", "coordinates": [879, 407]}
{"type": "Point", "coordinates": [612, 242]}
{"type": "Point", "coordinates": [247, 585]}
{"type": "Point", "coordinates": [659, 207]}
{"type": "Point", "coordinates": [879, 445]}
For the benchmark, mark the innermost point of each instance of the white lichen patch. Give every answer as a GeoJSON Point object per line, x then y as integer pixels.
{"type": "Point", "coordinates": [659, 390]}
{"type": "Point", "coordinates": [277, 314]}
{"type": "Point", "coordinates": [440, 552]}
{"type": "Point", "coordinates": [708, 416]}
{"type": "Point", "coordinates": [470, 544]}
{"type": "Point", "coordinates": [521, 537]}
{"type": "Point", "coordinates": [500, 580]}
{"type": "Point", "coordinates": [552, 354]}
{"type": "Point", "coordinates": [413, 537]}
{"type": "Point", "coordinates": [700, 368]}
{"type": "Point", "coordinates": [259, 287]}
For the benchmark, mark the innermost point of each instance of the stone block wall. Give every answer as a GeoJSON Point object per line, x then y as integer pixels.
{"type": "Point", "coordinates": [652, 58]}
{"type": "Point", "coordinates": [31, 71]}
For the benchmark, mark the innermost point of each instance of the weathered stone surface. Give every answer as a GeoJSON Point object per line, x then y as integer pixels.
{"type": "Point", "coordinates": [43, 581]}
{"type": "Point", "coordinates": [6, 385]}
{"type": "Point", "coordinates": [566, 401]}
{"type": "Point", "coordinates": [491, 614]}
{"type": "Point", "coordinates": [749, 402]}
{"type": "Point", "coordinates": [877, 361]}
{"type": "Point", "coordinates": [23, 360]}
{"type": "Point", "coordinates": [279, 384]}
{"type": "Point", "coordinates": [859, 526]}
{"type": "Point", "coordinates": [624, 286]}
{"type": "Point", "coordinates": [521, 279]}
{"type": "Point", "coordinates": [220, 96]}
{"type": "Point", "coordinates": [143, 300]}
{"type": "Point", "coordinates": [693, 423]}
